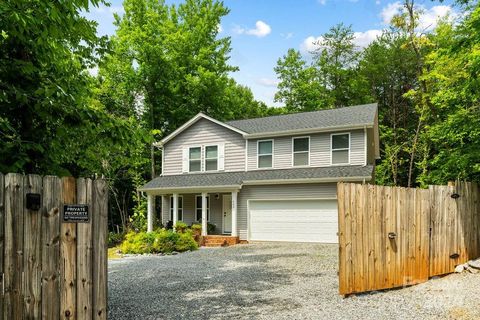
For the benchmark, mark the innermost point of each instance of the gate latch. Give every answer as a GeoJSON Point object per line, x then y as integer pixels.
{"type": "Point", "coordinates": [392, 235]}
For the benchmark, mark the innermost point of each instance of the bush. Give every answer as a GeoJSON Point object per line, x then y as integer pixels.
{"type": "Point", "coordinates": [114, 239]}
{"type": "Point", "coordinates": [181, 226]}
{"type": "Point", "coordinates": [211, 228]}
{"type": "Point", "coordinates": [159, 241]}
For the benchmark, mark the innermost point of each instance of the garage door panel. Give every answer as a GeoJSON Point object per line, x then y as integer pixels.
{"type": "Point", "coordinates": [294, 220]}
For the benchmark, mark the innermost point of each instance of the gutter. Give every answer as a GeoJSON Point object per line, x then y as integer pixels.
{"type": "Point", "coordinates": [306, 180]}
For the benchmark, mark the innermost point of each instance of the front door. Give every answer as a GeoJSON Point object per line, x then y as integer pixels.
{"type": "Point", "coordinates": [227, 213]}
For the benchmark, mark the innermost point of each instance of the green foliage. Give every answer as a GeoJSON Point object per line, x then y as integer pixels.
{"type": "Point", "coordinates": [114, 239]}
{"type": "Point", "coordinates": [160, 241]}
{"type": "Point", "coordinates": [181, 226]}
{"type": "Point", "coordinates": [211, 228]}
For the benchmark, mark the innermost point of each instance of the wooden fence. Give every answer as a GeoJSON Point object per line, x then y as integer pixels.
{"type": "Point", "coordinates": [52, 269]}
{"type": "Point", "coordinates": [391, 237]}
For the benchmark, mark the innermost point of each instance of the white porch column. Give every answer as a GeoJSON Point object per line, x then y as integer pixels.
{"type": "Point", "coordinates": [234, 214]}
{"type": "Point", "coordinates": [204, 213]}
{"type": "Point", "coordinates": [150, 211]}
{"type": "Point", "coordinates": [164, 210]}
{"type": "Point", "coordinates": [175, 209]}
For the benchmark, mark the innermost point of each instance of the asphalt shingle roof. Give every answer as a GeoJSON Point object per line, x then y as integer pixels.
{"type": "Point", "coordinates": [330, 118]}
{"type": "Point", "coordinates": [238, 178]}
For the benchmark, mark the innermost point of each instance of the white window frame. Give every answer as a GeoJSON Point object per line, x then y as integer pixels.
{"type": "Point", "coordinates": [208, 208]}
{"type": "Point", "coordinates": [341, 149]}
{"type": "Point", "coordinates": [293, 151]}
{"type": "Point", "coordinates": [201, 156]}
{"type": "Point", "coordinates": [179, 209]}
{"type": "Point", "coordinates": [258, 155]}
{"type": "Point", "coordinates": [204, 157]}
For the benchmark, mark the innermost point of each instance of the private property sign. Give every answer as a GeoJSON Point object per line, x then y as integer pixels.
{"type": "Point", "coordinates": [75, 213]}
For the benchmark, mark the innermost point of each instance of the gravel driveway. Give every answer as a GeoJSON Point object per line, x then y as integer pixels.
{"type": "Point", "coordinates": [271, 281]}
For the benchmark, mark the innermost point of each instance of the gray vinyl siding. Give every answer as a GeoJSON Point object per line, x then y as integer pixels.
{"type": "Point", "coordinates": [205, 132]}
{"type": "Point", "coordinates": [319, 150]}
{"type": "Point", "coordinates": [285, 191]}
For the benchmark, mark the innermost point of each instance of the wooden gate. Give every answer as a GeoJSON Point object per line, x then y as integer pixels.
{"type": "Point", "coordinates": [52, 269]}
{"type": "Point", "coordinates": [391, 237]}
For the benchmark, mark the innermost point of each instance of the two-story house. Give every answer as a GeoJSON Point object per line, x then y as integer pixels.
{"type": "Point", "coordinates": [265, 179]}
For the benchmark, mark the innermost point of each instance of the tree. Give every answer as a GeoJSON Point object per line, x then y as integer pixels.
{"type": "Point", "coordinates": [299, 88]}
{"type": "Point", "coordinates": [336, 60]}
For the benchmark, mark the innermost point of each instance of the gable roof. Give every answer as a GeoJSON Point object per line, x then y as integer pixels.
{"type": "Point", "coordinates": [346, 117]}
{"type": "Point", "coordinates": [258, 177]}
{"type": "Point", "coordinates": [193, 121]}
{"type": "Point", "coordinates": [359, 116]}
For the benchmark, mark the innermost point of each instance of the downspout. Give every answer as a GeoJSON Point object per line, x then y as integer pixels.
{"type": "Point", "coordinates": [365, 145]}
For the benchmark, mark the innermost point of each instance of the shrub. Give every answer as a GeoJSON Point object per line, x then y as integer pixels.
{"type": "Point", "coordinates": [159, 241]}
{"type": "Point", "coordinates": [181, 226]}
{"type": "Point", "coordinates": [186, 242]}
{"type": "Point", "coordinates": [114, 239]}
{"type": "Point", "coordinates": [211, 228]}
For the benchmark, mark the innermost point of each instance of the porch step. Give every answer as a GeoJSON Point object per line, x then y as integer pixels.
{"type": "Point", "coordinates": [220, 241]}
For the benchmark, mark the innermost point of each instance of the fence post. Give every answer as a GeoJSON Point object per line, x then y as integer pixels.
{"type": "Point", "coordinates": [2, 237]}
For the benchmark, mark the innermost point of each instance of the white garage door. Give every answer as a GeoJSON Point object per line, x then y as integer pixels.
{"type": "Point", "coordinates": [294, 220]}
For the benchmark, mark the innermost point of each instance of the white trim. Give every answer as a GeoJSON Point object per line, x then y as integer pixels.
{"type": "Point", "coordinates": [201, 156]}
{"type": "Point", "coordinates": [341, 149]}
{"type": "Point", "coordinates": [293, 151]}
{"type": "Point", "coordinates": [163, 160]}
{"type": "Point", "coordinates": [273, 151]}
{"type": "Point", "coordinates": [234, 213]}
{"type": "Point", "coordinates": [204, 158]}
{"type": "Point", "coordinates": [191, 122]}
{"type": "Point", "coordinates": [246, 154]}
{"type": "Point", "coordinates": [223, 215]}
{"type": "Point", "coordinates": [269, 199]}
{"type": "Point", "coordinates": [170, 208]}
{"type": "Point", "coordinates": [194, 189]}
{"type": "Point", "coordinates": [365, 146]}
{"type": "Point", "coordinates": [306, 131]}
{"type": "Point", "coordinates": [208, 207]}
{"type": "Point", "coordinates": [305, 180]}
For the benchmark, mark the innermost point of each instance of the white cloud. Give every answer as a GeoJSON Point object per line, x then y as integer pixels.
{"type": "Point", "coordinates": [322, 2]}
{"type": "Point", "coordinates": [428, 17]}
{"type": "Point", "coordinates": [287, 35]}
{"type": "Point", "coordinates": [390, 11]}
{"type": "Point", "coordinates": [363, 39]}
{"type": "Point", "coordinates": [261, 29]}
{"type": "Point", "coordinates": [377, 2]}
{"type": "Point", "coordinates": [268, 82]}
{"type": "Point", "coordinates": [309, 44]}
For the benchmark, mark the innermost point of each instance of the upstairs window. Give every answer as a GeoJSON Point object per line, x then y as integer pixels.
{"type": "Point", "coordinates": [340, 143]}
{"type": "Point", "coordinates": [195, 159]}
{"type": "Point", "coordinates": [301, 151]}
{"type": "Point", "coordinates": [265, 154]}
{"type": "Point", "coordinates": [211, 158]}
{"type": "Point", "coordinates": [179, 210]}
{"type": "Point", "coordinates": [198, 208]}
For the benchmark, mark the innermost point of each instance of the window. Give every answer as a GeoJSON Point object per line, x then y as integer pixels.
{"type": "Point", "coordinates": [198, 208]}
{"type": "Point", "coordinates": [265, 154]}
{"type": "Point", "coordinates": [301, 151]}
{"type": "Point", "coordinates": [211, 158]}
{"type": "Point", "coordinates": [195, 159]}
{"type": "Point", "coordinates": [180, 208]}
{"type": "Point", "coordinates": [340, 148]}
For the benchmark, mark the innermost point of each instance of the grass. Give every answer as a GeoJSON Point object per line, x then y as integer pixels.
{"type": "Point", "coordinates": [113, 253]}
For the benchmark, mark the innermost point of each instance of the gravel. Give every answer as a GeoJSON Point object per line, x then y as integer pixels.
{"type": "Point", "coordinates": [272, 281]}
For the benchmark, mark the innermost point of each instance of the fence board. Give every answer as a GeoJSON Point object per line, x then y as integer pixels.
{"type": "Point", "coordinates": [84, 254]}
{"type": "Point", "coordinates": [13, 246]}
{"type": "Point", "coordinates": [32, 252]}
{"type": "Point", "coordinates": [52, 191]}
{"type": "Point", "coordinates": [68, 254]}
{"type": "Point", "coordinates": [2, 235]}
{"type": "Point", "coordinates": [99, 216]}
{"type": "Point", "coordinates": [433, 232]}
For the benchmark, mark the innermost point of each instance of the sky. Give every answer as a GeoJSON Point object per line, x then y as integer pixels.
{"type": "Point", "coordinates": [263, 30]}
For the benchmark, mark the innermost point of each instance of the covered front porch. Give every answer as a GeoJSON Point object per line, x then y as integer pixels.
{"type": "Point", "coordinates": [214, 209]}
